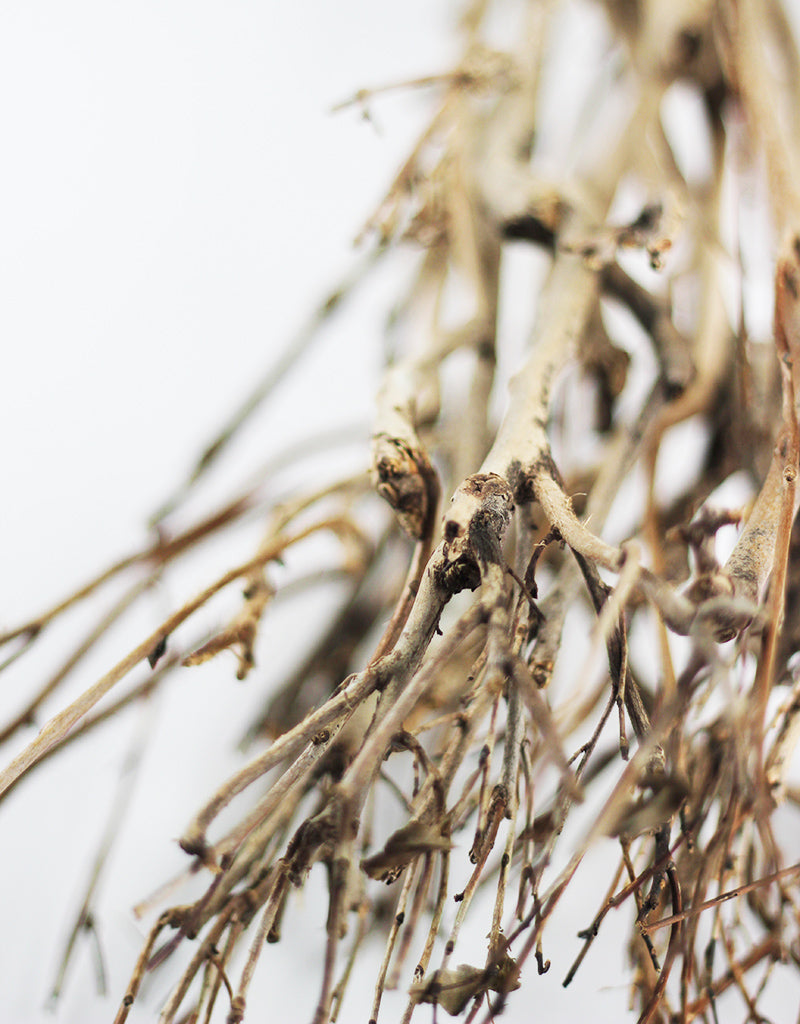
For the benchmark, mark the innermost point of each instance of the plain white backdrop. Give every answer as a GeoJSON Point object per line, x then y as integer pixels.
{"type": "Point", "coordinates": [175, 197]}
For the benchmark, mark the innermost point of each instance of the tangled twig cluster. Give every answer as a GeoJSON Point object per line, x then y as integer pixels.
{"type": "Point", "coordinates": [470, 675]}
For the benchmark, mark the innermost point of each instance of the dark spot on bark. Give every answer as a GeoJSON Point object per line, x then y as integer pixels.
{"type": "Point", "coordinates": [451, 531]}
{"type": "Point", "coordinates": [790, 281]}
{"type": "Point", "coordinates": [157, 652]}
{"type": "Point", "coordinates": [545, 466]}
{"type": "Point", "coordinates": [521, 484]}
{"type": "Point", "coordinates": [485, 349]}
{"type": "Point", "coordinates": [195, 848]}
{"type": "Point", "coordinates": [483, 537]}
{"type": "Point", "coordinates": [648, 218]}
{"type": "Point", "coordinates": [529, 229]}
{"type": "Point", "coordinates": [385, 469]}
{"type": "Point", "coordinates": [332, 301]}
{"type": "Point", "coordinates": [463, 574]}
{"type": "Point", "coordinates": [748, 575]}
{"type": "Point", "coordinates": [499, 796]}
{"type": "Point", "coordinates": [541, 673]}
{"type": "Point", "coordinates": [689, 43]}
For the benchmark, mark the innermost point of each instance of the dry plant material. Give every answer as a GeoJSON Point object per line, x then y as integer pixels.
{"type": "Point", "coordinates": [455, 684]}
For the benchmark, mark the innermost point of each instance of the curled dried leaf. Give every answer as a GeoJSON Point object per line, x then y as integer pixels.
{"type": "Point", "coordinates": [453, 988]}
{"type": "Point", "coordinates": [402, 847]}
{"type": "Point", "coordinates": [240, 634]}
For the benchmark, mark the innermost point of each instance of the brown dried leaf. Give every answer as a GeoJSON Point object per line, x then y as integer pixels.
{"type": "Point", "coordinates": [402, 847]}
{"type": "Point", "coordinates": [453, 988]}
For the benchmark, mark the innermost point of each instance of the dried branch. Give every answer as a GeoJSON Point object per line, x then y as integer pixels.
{"type": "Point", "coordinates": [461, 673]}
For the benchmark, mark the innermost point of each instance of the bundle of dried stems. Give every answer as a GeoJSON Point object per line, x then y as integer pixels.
{"type": "Point", "coordinates": [502, 749]}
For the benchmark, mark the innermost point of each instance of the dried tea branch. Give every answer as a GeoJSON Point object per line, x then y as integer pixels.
{"type": "Point", "coordinates": [472, 673]}
{"type": "Point", "coordinates": [723, 897]}
{"type": "Point", "coordinates": [61, 724]}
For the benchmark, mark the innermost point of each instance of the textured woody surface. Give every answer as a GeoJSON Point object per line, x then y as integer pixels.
{"type": "Point", "coordinates": [525, 576]}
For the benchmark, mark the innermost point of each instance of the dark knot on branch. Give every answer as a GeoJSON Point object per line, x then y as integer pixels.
{"type": "Point", "coordinates": [473, 530]}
